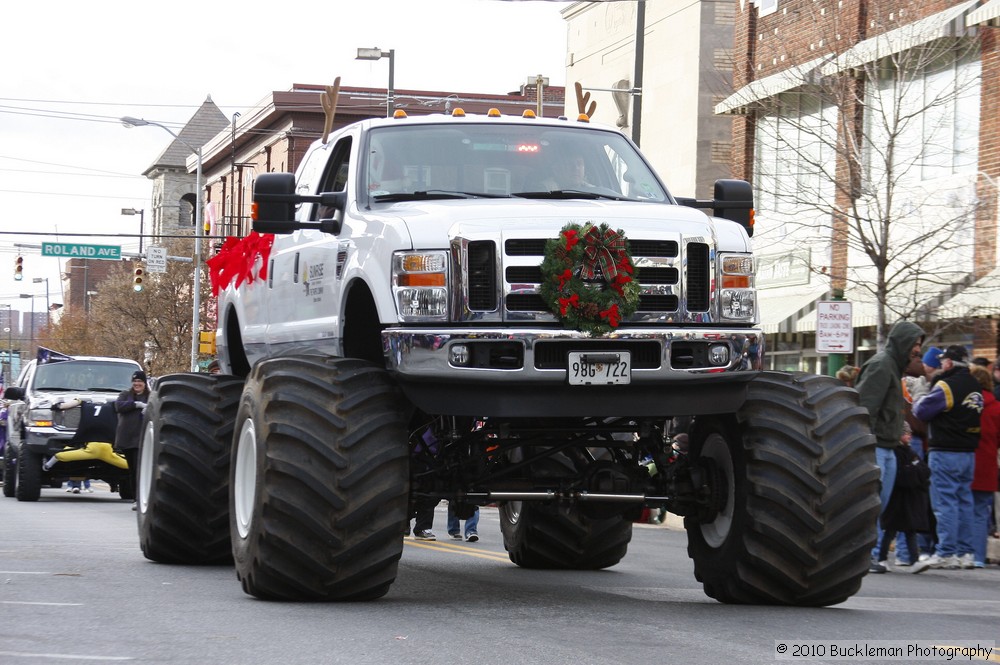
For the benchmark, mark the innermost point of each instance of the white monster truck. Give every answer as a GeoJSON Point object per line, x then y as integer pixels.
{"type": "Point", "coordinates": [505, 310]}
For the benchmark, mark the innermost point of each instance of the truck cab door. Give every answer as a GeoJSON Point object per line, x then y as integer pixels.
{"type": "Point", "coordinates": [304, 295]}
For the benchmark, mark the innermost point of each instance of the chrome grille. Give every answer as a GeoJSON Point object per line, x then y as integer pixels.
{"type": "Point", "coordinates": [503, 277]}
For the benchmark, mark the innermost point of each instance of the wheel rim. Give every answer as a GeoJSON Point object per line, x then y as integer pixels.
{"type": "Point", "coordinates": [145, 474]}
{"type": "Point", "coordinates": [717, 450]}
{"type": "Point", "coordinates": [245, 477]}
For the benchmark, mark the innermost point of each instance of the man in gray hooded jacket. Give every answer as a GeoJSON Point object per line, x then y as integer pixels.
{"type": "Point", "coordinates": [880, 385]}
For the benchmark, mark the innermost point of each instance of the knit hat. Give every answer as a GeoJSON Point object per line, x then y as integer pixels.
{"type": "Point", "coordinates": [139, 374]}
{"type": "Point", "coordinates": [956, 353]}
{"type": "Point", "coordinates": [933, 357]}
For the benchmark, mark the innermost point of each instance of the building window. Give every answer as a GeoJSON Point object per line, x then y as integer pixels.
{"type": "Point", "coordinates": [930, 110]}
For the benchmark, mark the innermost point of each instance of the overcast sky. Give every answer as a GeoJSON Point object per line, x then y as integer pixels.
{"type": "Point", "coordinates": [71, 69]}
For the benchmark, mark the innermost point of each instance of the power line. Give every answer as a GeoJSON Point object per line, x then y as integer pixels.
{"type": "Point", "coordinates": [109, 235]}
{"type": "Point", "coordinates": [86, 103]}
{"type": "Point", "coordinates": [90, 196]}
{"type": "Point", "coordinates": [75, 175]}
{"type": "Point", "coordinates": [66, 166]}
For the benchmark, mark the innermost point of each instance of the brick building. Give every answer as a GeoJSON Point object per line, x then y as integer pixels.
{"type": "Point", "coordinates": [878, 112]}
{"type": "Point", "coordinates": [81, 281]}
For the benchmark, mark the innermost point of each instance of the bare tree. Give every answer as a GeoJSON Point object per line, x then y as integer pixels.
{"type": "Point", "coordinates": [871, 163]}
{"type": "Point", "coordinates": [152, 326]}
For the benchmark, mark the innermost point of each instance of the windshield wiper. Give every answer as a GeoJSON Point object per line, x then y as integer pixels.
{"type": "Point", "coordinates": [434, 194]}
{"type": "Point", "coordinates": [568, 194]}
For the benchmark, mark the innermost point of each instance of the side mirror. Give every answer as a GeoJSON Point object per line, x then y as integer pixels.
{"type": "Point", "coordinates": [14, 393]}
{"type": "Point", "coordinates": [274, 202]}
{"type": "Point", "coordinates": [734, 201]}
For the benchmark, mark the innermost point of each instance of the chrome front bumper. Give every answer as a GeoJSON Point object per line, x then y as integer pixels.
{"type": "Point", "coordinates": [416, 354]}
{"type": "Point", "coordinates": [517, 372]}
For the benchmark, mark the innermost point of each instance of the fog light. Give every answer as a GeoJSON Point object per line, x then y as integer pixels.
{"type": "Point", "coordinates": [718, 354]}
{"type": "Point", "coordinates": [459, 355]}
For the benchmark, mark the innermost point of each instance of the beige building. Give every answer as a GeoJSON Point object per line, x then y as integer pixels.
{"type": "Point", "coordinates": [669, 80]}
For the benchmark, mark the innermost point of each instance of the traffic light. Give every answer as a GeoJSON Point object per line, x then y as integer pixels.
{"type": "Point", "coordinates": [137, 279]}
{"type": "Point", "coordinates": [206, 343]}
{"type": "Point", "coordinates": [18, 268]}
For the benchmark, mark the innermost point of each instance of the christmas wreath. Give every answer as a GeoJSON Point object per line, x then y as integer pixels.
{"type": "Point", "coordinates": [589, 279]}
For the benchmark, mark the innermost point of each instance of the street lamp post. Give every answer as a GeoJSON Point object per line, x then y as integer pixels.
{"type": "Point", "coordinates": [198, 232]}
{"type": "Point", "coordinates": [133, 211]}
{"type": "Point", "coordinates": [377, 54]}
{"type": "Point", "coordinates": [48, 308]}
{"type": "Point", "coordinates": [540, 83]}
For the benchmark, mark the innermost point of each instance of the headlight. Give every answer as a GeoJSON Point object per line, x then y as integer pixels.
{"type": "Point", "coordinates": [737, 297]}
{"type": "Point", "coordinates": [39, 418]}
{"type": "Point", "coordinates": [420, 285]}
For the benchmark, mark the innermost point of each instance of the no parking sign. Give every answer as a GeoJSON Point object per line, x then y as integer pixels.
{"type": "Point", "coordinates": [834, 330]}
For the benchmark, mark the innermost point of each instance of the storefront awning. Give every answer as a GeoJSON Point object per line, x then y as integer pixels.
{"type": "Point", "coordinates": [981, 299]}
{"type": "Point", "coordinates": [769, 86]}
{"type": "Point", "coordinates": [947, 23]}
{"type": "Point", "coordinates": [988, 14]}
{"type": "Point", "coordinates": [776, 309]}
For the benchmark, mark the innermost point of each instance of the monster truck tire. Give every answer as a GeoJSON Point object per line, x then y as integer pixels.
{"type": "Point", "coordinates": [320, 474]}
{"type": "Point", "coordinates": [183, 476]}
{"type": "Point", "coordinates": [799, 495]}
{"type": "Point", "coordinates": [9, 471]}
{"type": "Point", "coordinates": [544, 536]}
{"type": "Point", "coordinates": [29, 475]}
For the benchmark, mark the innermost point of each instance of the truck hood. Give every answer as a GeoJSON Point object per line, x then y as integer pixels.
{"type": "Point", "coordinates": [426, 220]}
{"type": "Point", "coordinates": [44, 399]}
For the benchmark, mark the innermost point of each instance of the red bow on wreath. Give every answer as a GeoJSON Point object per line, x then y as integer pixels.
{"type": "Point", "coordinates": [602, 250]}
{"type": "Point", "coordinates": [566, 303]}
{"type": "Point", "coordinates": [612, 316]}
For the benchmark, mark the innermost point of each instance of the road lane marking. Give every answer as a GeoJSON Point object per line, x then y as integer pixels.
{"type": "Point", "coordinates": [25, 602]}
{"type": "Point", "coordinates": [950, 606]}
{"type": "Point", "coordinates": [457, 549]}
{"type": "Point", "coordinates": [61, 656]}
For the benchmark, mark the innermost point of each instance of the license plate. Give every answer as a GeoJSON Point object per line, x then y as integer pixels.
{"type": "Point", "coordinates": [599, 369]}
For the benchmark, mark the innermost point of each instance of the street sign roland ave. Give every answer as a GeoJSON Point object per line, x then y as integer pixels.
{"type": "Point", "coordinates": [156, 259]}
{"type": "Point", "coordinates": [834, 329]}
{"type": "Point", "coordinates": [68, 250]}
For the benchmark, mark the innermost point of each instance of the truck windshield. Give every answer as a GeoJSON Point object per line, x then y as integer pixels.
{"type": "Point", "coordinates": [419, 162]}
{"type": "Point", "coordinates": [84, 375]}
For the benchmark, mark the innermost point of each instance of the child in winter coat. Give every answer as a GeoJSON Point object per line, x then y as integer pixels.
{"type": "Point", "coordinates": [909, 508]}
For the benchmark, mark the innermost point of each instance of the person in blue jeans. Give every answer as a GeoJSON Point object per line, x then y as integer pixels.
{"type": "Point", "coordinates": [471, 525]}
{"type": "Point", "coordinates": [952, 408]}
{"type": "Point", "coordinates": [880, 389]}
